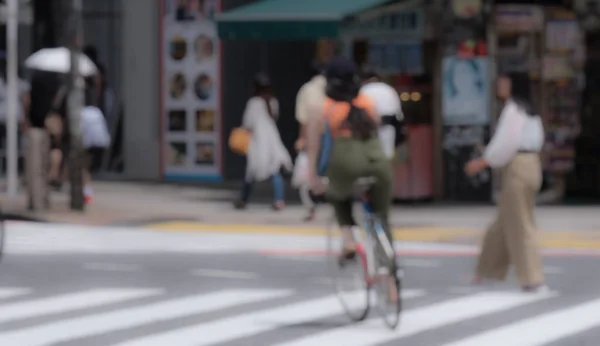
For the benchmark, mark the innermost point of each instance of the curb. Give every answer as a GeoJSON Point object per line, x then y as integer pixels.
{"type": "Point", "coordinates": [21, 217]}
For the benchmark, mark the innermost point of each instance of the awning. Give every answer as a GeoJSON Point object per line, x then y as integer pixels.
{"type": "Point", "coordinates": [290, 19]}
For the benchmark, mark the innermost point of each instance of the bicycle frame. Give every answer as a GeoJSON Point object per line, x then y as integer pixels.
{"type": "Point", "coordinates": [374, 231]}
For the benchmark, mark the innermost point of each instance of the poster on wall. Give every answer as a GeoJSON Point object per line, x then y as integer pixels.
{"type": "Point", "coordinates": [190, 90]}
{"type": "Point", "coordinates": [465, 92]}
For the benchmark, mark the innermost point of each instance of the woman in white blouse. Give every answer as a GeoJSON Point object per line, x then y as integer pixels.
{"type": "Point", "coordinates": [514, 148]}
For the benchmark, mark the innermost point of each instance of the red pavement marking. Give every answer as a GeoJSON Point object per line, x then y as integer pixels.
{"type": "Point", "coordinates": [435, 253]}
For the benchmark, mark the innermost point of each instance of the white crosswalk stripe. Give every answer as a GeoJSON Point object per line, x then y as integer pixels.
{"type": "Point", "coordinates": [423, 319]}
{"type": "Point", "coordinates": [122, 319]}
{"type": "Point", "coordinates": [228, 329]}
{"type": "Point", "coordinates": [527, 332]}
{"type": "Point", "coordinates": [11, 292]}
{"type": "Point", "coordinates": [68, 302]}
{"type": "Point", "coordinates": [262, 316]}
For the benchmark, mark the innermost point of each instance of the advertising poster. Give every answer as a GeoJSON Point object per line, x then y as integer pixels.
{"type": "Point", "coordinates": [465, 92]}
{"type": "Point", "coordinates": [519, 18]}
{"type": "Point", "coordinates": [191, 90]}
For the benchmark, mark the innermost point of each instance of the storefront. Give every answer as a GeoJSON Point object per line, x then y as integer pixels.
{"type": "Point", "coordinates": [399, 41]}
{"type": "Point", "coordinates": [391, 36]}
{"type": "Point", "coordinates": [585, 182]}
{"type": "Point", "coordinates": [547, 44]}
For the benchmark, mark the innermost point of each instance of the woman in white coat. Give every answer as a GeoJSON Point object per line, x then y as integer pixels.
{"type": "Point", "coordinates": [513, 237]}
{"type": "Point", "coordinates": [266, 153]}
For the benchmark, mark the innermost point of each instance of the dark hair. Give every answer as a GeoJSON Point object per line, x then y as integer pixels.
{"type": "Point", "coordinates": [90, 96]}
{"type": "Point", "coordinates": [369, 73]}
{"type": "Point", "coordinates": [343, 85]}
{"type": "Point", "coordinates": [262, 87]}
{"type": "Point", "coordinates": [91, 52]}
{"type": "Point", "coordinates": [521, 92]}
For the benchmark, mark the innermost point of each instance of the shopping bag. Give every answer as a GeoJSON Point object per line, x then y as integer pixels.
{"type": "Point", "coordinates": [300, 175]}
{"type": "Point", "coordinates": [239, 140]}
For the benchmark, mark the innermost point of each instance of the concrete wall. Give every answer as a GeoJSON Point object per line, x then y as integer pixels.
{"type": "Point", "coordinates": [140, 81]}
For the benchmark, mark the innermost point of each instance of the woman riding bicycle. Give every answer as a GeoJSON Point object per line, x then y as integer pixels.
{"type": "Point", "coordinates": [352, 121]}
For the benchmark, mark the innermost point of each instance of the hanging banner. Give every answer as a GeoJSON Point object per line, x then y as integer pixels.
{"type": "Point", "coordinates": [465, 92]}
{"type": "Point", "coordinates": [191, 84]}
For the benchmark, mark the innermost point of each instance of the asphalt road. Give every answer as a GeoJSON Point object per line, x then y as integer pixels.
{"type": "Point", "coordinates": [208, 289]}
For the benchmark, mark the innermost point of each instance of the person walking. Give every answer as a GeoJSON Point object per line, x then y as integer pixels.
{"type": "Point", "coordinates": [389, 108]}
{"type": "Point", "coordinates": [266, 153]}
{"type": "Point", "coordinates": [514, 149]}
{"type": "Point", "coordinates": [46, 105]}
{"type": "Point", "coordinates": [309, 103]}
{"type": "Point", "coordinates": [95, 138]}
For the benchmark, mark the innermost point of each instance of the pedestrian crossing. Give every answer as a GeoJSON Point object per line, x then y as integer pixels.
{"type": "Point", "coordinates": [282, 316]}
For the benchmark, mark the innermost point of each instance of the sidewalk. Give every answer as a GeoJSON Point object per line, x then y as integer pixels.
{"type": "Point", "coordinates": [180, 208]}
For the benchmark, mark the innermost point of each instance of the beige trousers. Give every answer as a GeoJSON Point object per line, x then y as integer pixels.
{"type": "Point", "coordinates": [37, 151]}
{"type": "Point", "coordinates": [513, 236]}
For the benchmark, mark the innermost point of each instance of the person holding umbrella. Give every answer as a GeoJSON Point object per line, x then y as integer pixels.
{"type": "Point", "coordinates": [46, 115]}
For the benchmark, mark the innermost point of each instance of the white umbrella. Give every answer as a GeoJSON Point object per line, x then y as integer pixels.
{"type": "Point", "coordinates": [59, 60]}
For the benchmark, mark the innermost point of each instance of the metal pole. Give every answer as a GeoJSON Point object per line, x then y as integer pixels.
{"type": "Point", "coordinates": [74, 105]}
{"type": "Point", "coordinates": [12, 23]}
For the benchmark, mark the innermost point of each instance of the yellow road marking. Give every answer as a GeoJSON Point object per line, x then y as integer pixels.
{"type": "Point", "coordinates": [412, 233]}
{"type": "Point", "coordinates": [551, 239]}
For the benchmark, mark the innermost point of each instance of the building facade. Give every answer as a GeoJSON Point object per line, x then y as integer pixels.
{"type": "Point", "coordinates": [182, 73]}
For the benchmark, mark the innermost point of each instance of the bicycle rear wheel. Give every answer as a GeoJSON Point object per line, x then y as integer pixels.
{"type": "Point", "coordinates": [348, 275]}
{"type": "Point", "coordinates": [387, 281]}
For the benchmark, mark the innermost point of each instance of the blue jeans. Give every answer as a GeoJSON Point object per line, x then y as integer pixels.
{"type": "Point", "coordinates": [278, 188]}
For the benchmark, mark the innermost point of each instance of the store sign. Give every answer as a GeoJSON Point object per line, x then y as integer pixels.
{"type": "Point", "coordinates": [519, 18]}
{"type": "Point", "coordinates": [466, 8]}
{"type": "Point", "coordinates": [406, 23]}
{"type": "Point", "coordinates": [190, 90]}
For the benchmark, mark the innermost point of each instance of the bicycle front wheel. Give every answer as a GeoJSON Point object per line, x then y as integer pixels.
{"type": "Point", "coordinates": [388, 279]}
{"type": "Point", "coordinates": [348, 275]}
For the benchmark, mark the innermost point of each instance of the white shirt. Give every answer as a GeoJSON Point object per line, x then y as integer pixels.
{"type": "Point", "coordinates": [94, 132]}
{"type": "Point", "coordinates": [310, 99]}
{"type": "Point", "coordinates": [386, 99]}
{"type": "Point", "coordinates": [516, 131]}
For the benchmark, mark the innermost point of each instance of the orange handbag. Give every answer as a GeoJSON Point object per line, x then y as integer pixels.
{"type": "Point", "coordinates": [239, 140]}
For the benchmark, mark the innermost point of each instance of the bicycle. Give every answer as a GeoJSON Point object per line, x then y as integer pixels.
{"type": "Point", "coordinates": [375, 262]}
